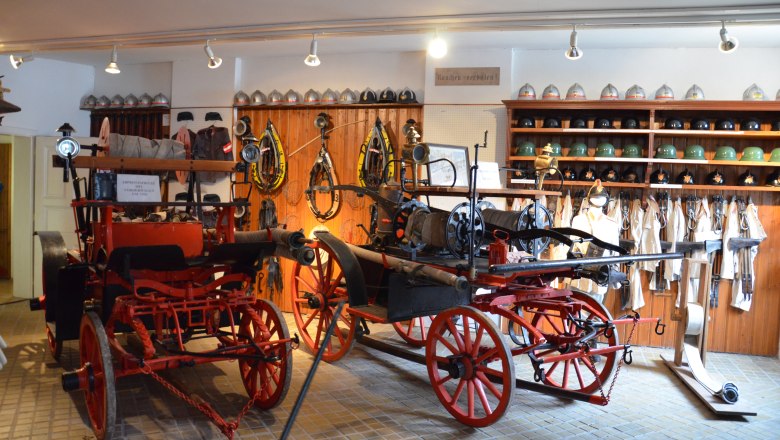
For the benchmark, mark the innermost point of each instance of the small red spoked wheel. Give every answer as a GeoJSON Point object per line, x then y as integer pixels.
{"type": "Point", "coordinates": [576, 374]}
{"type": "Point", "coordinates": [316, 292]}
{"type": "Point", "coordinates": [101, 393]}
{"type": "Point", "coordinates": [270, 378]}
{"type": "Point", "coordinates": [470, 366]}
{"type": "Point", "coordinates": [415, 330]}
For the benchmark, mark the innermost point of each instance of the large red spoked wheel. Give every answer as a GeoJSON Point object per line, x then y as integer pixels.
{"type": "Point", "coordinates": [55, 346]}
{"type": "Point", "coordinates": [470, 366]}
{"type": "Point", "coordinates": [269, 379]}
{"type": "Point", "coordinates": [576, 374]}
{"type": "Point", "coordinates": [317, 290]}
{"type": "Point", "coordinates": [101, 393]}
{"type": "Point", "coordinates": [415, 330]}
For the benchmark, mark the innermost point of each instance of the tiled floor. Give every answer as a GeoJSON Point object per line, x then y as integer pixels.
{"type": "Point", "coordinates": [371, 395]}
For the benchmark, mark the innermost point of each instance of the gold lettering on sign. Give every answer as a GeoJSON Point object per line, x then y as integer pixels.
{"type": "Point", "coordinates": [467, 76]}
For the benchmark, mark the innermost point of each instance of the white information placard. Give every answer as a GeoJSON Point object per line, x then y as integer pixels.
{"type": "Point", "coordinates": [137, 188]}
{"type": "Point", "coordinates": [488, 176]}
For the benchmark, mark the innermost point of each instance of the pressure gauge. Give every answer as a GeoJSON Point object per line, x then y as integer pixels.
{"type": "Point", "coordinates": [67, 147]}
{"type": "Point", "coordinates": [250, 153]}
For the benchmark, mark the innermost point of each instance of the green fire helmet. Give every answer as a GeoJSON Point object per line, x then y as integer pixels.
{"type": "Point", "coordinates": [752, 154]}
{"type": "Point", "coordinates": [725, 152]}
{"type": "Point", "coordinates": [775, 157]}
{"type": "Point", "coordinates": [694, 152]}
{"type": "Point", "coordinates": [632, 151]}
{"type": "Point", "coordinates": [556, 149]}
{"type": "Point", "coordinates": [666, 151]}
{"type": "Point", "coordinates": [578, 149]}
{"type": "Point", "coordinates": [525, 149]}
{"type": "Point", "coordinates": [605, 149]}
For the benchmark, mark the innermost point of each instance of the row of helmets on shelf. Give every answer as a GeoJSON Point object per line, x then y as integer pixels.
{"type": "Point", "coordinates": [312, 97]}
{"type": "Point", "coordinates": [129, 101]}
{"type": "Point", "coordinates": [715, 178]}
{"type": "Point", "coordinates": [635, 92]}
{"type": "Point", "coordinates": [663, 151]}
{"type": "Point", "coordinates": [630, 122]}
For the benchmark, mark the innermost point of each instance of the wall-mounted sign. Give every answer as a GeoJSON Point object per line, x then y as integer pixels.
{"type": "Point", "coordinates": [137, 188]}
{"type": "Point", "coordinates": [467, 76]}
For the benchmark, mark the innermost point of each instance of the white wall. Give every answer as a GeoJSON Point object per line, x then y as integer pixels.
{"type": "Point", "coordinates": [721, 76]}
{"type": "Point", "coordinates": [49, 93]}
{"type": "Point", "coordinates": [195, 85]}
{"type": "Point", "coordinates": [501, 58]}
{"type": "Point", "coordinates": [152, 78]}
{"type": "Point", "coordinates": [337, 72]}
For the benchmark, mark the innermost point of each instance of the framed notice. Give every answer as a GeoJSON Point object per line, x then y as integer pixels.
{"type": "Point", "coordinates": [448, 165]}
{"type": "Point", "coordinates": [137, 188]}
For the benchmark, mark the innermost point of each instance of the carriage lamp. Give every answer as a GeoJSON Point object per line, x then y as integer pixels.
{"type": "Point", "coordinates": [67, 148]}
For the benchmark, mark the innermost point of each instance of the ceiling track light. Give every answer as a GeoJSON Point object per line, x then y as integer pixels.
{"type": "Point", "coordinates": [214, 61]}
{"type": "Point", "coordinates": [437, 48]}
{"type": "Point", "coordinates": [17, 62]}
{"type": "Point", "coordinates": [112, 66]}
{"type": "Point", "coordinates": [573, 52]}
{"type": "Point", "coordinates": [727, 44]}
{"type": "Point", "coordinates": [312, 59]}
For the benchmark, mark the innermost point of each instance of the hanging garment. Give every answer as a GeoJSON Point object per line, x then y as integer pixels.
{"type": "Point", "coordinates": [595, 222]}
{"type": "Point", "coordinates": [105, 131]}
{"type": "Point", "coordinates": [730, 229]}
{"type": "Point", "coordinates": [744, 279]}
{"type": "Point", "coordinates": [701, 232]}
{"type": "Point", "coordinates": [676, 230]}
{"type": "Point", "coordinates": [212, 143]}
{"type": "Point", "coordinates": [185, 136]}
{"type": "Point", "coordinates": [636, 220]}
{"type": "Point", "coordinates": [615, 211]}
{"type": "Point", "coordinates": [564, 215]}
{"type": "Point", "coordinates": [651, 235]}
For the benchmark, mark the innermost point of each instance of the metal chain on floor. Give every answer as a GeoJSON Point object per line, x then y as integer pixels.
{"type": "Point", "coordinates": [227, 428]}
{"type": "Point", "coordinates": [592, 368]}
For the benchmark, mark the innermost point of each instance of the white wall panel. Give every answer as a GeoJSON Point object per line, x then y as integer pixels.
{"type": "Point", "coordinates": [151, 78]}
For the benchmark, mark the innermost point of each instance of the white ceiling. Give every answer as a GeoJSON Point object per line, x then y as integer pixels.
{"type": "Point", "coordinates": [82, 31]}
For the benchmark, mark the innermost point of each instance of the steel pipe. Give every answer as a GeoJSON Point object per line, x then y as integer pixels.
{"type": "Point", "coordinates": [535, 266]}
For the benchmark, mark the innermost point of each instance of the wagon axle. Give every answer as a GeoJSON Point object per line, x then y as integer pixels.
{"type": "Point", "coordinates": [81, 379]}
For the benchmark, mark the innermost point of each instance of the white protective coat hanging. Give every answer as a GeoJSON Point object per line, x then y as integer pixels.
{"type": "Point", "coordinates": [595, 222]}
{"type": "Point", "coordinates": [651, 235]}
{"type": "Point", "coordinates": [676, 229]}
{"type": "Point", "coordinates": [636, 299]}
{"type": "Point", "coordinates": [701, 232]}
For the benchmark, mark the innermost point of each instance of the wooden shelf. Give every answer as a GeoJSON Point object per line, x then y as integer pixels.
{"type": "Point", "coordinates": [495, 192]}
{"type": "Point", "coordinates": [644, 132]}
{"type": "Point", "coordinates": [645, 105]}
{"type": "Point", "coordinates": [588, 159]}
{"type": "Point", "coordinates": [718, 134]}
{"type": "Point", "coordinates": [730, 163]}
{"type": "Point", "coordinates": [583, 131]}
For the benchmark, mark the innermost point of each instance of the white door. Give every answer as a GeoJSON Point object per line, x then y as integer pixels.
{"type": "Point", "coordinates": [52, 210]}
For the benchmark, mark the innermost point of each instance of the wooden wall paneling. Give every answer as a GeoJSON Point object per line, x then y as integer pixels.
{"type": "Point", "coordinates": [295, 125]}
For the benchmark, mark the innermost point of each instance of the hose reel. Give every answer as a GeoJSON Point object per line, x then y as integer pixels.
{"type": "Point", "coordinates": [527, 218]}
{"type": "Point", "coordinates": [416, 227]}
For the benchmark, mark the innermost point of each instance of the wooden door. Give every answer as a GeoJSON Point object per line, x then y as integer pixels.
{"type": "Point", "coordinates": [5, 211]}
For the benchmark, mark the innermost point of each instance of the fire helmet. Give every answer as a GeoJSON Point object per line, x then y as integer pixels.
{"type": "Point", "coordinates": [368, 97]}
{"type": "Point", "coordinates": [117, 102]}
{"type": "Point", "coordinates": [103, 102]}
{"type": "Point", "coordinates": [551, 122]}
{"type": "Point", "coordinates": [311, 97]}
{"type": "Point", "coordinates": [576, 122]}
{"type": "Point", "coordinates": [605, 149]}
{"type": "Point", "coordinates": [629, 176]}
{"type": "Point", "coordinates": [329, 97]}
{"type": "Point", "coordinates": [131, 101]}
{"type": "Point", "coordinates": [347, 97]}
{"type": "Point", "coordinates": [695, 93]}
{"type": "Point", "coordinates": [725, 152]}
{"type": "Point", "coordinates": [659, 176]}
{"type": "Point", "coordinates": [666, 151]}
{"type": "Point", "coordinates": [240, 98]}
{"type": "Point", "coordinates": [775, 156]}
{"type": "Point", "coordinates": [578, 149]}
{"type": "Point", "coordinates": [527, 122]}
{"type": "Point", "coordinates": [747, 179]}
{"type": "Point", "coordinates": [88, 103]}
{"type": "Point", "coordinates": [685, 178]}
{"type": "Point", "coordinates": [387, 95]}
{"type": "Point", "coordinates": [258, 98]}
{"type": "Point", "coordinates": [275, 97]}
{"type": "Point", "coordinates": [588, 174]}
{"type": "Point", "coordinates": [525, 148]}
{"type": "Point", "coordinates": [610, 93]}
{"type": "Point", "coordinates": [144, 100]}
{"type": "Point", "coordinates": [632, 151]}
{"type": "Point", "coordinates": [292, 97]}
{"type": "Point", "coordinates": [774, 178]}
{"type": "Point", "coordinates": [630, 123]}
{"type": "Point", "coordinates": [575, 92]}
{"type": "Point", "coordinates": [700, 124]}
{"type": "Point", "coordinates": [609, 175]}
{"type": "Point", "coordinates": [556, 149]}
{"type": "Point", "coordinates": [751, 124]}
{"type": "Point", "coordinates": [752, 154]}
{"type": "Point", "coordinates": [526, 92]}
{"type": "Point", "coordinates": [716, 178]}
{"type": "Point", "coordinates": [407, 96]}
{"type": "Point", "coordinates": [724, 124]}
{"type": "Point", "coordinates": [551, 93]}
{"type": "Point", "coordinates": [160, 100]}
{"type": "Point", "coordinates": [664, 93]}
{"type": "Point", "coordinates": [673, 124]}
{"type": "Point", "coordinates": [569, 173]}
{"type": "Point", "coordinates": [694, 152]}
{"type": "Point", "coordinates": [753, 93]}
{"type": "Point", "coordinates": [603, 123]}
{"type": "Point", "coordinates": [635, 93]}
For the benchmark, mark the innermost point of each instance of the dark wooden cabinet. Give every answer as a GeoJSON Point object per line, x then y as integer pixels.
{"type": "Point", "coordinates": [151, 123]}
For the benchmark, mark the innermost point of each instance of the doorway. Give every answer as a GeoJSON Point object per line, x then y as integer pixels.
{"type": "Point", "coordinates": [5, 211]}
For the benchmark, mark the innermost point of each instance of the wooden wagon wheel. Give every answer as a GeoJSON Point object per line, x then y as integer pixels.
{"type": "Point", "coordinates": [414, 331]}
{"type": "Point", "coordinates": [576, 374]}
{"type": "Point", "coordinates": [101, 392]}
{"type": "Point", "coordinates": [470, 366]}
{"type": "Point", "coordinates": [316, 291]}
{"type": "Point", "coordinates": [263, 322]}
